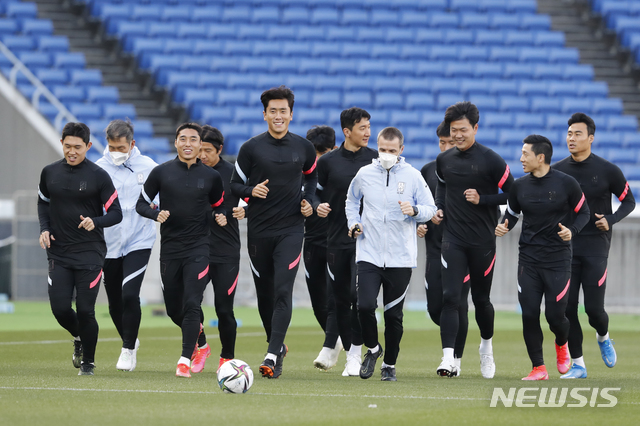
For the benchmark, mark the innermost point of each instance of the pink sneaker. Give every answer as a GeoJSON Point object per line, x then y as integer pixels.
{"type": "Point", "coordinates": [197, 365]}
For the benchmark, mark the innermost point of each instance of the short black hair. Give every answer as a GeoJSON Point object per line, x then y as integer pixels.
{"type": "Point", "coordinates": [213, 136]}
{"type": "Point", "coordinates": [581, 117]}
{"type": "Point", "coordinates": [460, 110]}
{"type": "Point", "coordinates": [349, 117]}
{"type": "Point", "coordinates": [119, 129]}
{"type": "Point", "coordinates": [282, 92]}
{"type": "Point", "coordinates": [194, 126]}
{"type": "Point", "coordinates": [77, 129]}
{"type": "Point", "coordinates": [443, 130]}
{"type": "Point", "coordinates": [540, 145]}
{"type": "Point", "coordinates": [390, 133]}
{"type": "Point", "coordinates": [323, 138]}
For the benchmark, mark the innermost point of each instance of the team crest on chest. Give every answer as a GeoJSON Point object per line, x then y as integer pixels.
{"type": "Point", "coordinates": [140, 178]}
{"type": "Point", "coordinates": [594, 179]}
{"type": "Point", "coordinates": [83, 185]}
{"type": "Point", "coordinates": [400, 187]}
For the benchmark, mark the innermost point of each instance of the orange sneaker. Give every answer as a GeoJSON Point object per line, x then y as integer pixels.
{"type": "Point", "coordinates": [182, 371]}
{"type": "Point", "coordinates": [197, 365]}
{"type": "Point", "coordinates": [538, 373]}
{"type": "Point", "coordinates": [195, 349]}
{"type": "Point", "coordinates": [563, 358]}
{"type": "Point", "coordinates": [222, 361]}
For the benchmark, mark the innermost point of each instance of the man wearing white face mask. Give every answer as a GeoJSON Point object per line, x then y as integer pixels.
{"type": "Point", "coordinates": [394, 198]}
{"type": "Point", "coordinates": [129, 243]}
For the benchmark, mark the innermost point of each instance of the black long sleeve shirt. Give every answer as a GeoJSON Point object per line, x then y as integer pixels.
{"type": "Point", "coordinates": [545, 202]}
{"type": "Point", "coordinates": [287, 163]}
{"type": "Point", "coordinates": [188, 193]}
{"type": "Point", "coordinates": [65, 193]}
{"type": "Point", "coordinates": [478, 168]}
{"type": "Point", "coordinates": [336, 170]}
{"type": "Point", "coordinates": [315, 227]}
{"type": "Point", "coordinates": [433, 239]}
{"type": "Point", "coordinates": [224, 241]}
{"type": "Point", "coordinates": [599, 179]}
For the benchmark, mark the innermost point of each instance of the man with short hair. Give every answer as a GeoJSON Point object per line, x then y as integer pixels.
{"type": "Point", "coordinates": [432, 234]}
{"type": "Point", "coordinates": [314, 252]}
{"type": "Point", "coordinates": [384, 202]}
{"type": "Point", "coordinates": [71, 197]}
{"type": "Point", "coordinates": [546, 197]}
{"type": "Point", "coordinates": [224, 254]}
{"type": "Point", "coordinates": [336, 170]}
{"type": "Point", "coordinates": [469, 178]}
{"type": "Point", "coordinates": [187, 190]}
{"type": "Point", "coordinates": [270, 171]}
{"type": "Point", "coordinates": [129, 243]}
{"type": "Point", "coordinates": [599, 180]}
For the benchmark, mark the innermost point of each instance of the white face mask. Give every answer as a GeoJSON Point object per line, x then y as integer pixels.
{"type": "Point", "coordinates": [119, 157]}
{"type": "Point", "coordinates": [387, 160]}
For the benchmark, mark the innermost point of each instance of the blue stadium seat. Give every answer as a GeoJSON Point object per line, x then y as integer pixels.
{"type": "Point", "coordinates": [593, 89]}
{"type": "Point", "coordinates": [473, 87]}
{"type": "Point", "coordinates": [579, 72]}
{"type": "Point", "coordinates": [504, 54]}
{"type": "Point", "coordinates": [196, 63]}
{"type": "Point", "coordinates": [325, 50]}
{"type": "Point", "coordinates": [35, 59]}
{"type": "Point", "coordinates": [251, 32]}
{"type": "Point", "coordinates": [242, 81]}
{"type": "Point", "coordinates": [208, 114]}
{"type": "Point", "coordinates": [430, 36]}
{"type": "Point", "coordinates": [311, 33]}
{"type": "Point", "coordinates": [248, 115]}
{"type": "Point", "coordinates": [511, 137]}
{"type": "Point", "coordinates": [295, 16]}
{"type": "Point", "coordinates": [143, 128]}
{"type": "Point", "coordinates": [85, 112]}
{"type": "Point", "coordinates": [235, 14]}
{"type": "Point", "coordinates": [176, 13]}
{"type": "Point", "coordinates": [416, 85]}
{"type": "Point", "coordinates": [223, 31]}
{"type": "Point", "coordinates": [328, 83]}
{"type": "Point", "coordinates": [605, 140]}
{"type": "Point", "coordinates": [487, 136]}
{"type": "Point", "coordinates": [445, 86]}
{"type": "Point", "coordinates": [607, 106]}
{"type": "Point", "coordinates": [386, 85]}
{"type": "Point", "coordinates": [534, 54]}
{"type": "Point", "coordinates": [443, 20]}
{"type": "Point", "coordinates": [52, 77]}
{"type": "Point", "coordinates": [208, 14]}
{"type": "Point", "coordinates": [548, 71]}
{"type": "Point", "coordinates": [21, 10]}
{"type": "Point", "coordinates": [464, 5]}
{"type": "Point", "coordinates": [625, 123]}
{"type": "Point", "coordinates": [564, 55]}
{"type": "Point", "coordinates": [389, 101]}
{"type": "Point", "coordinates": [179, 46]}
{"type": "Point", "coordinates": [370, 35]}
{"type": "Point", "coordinates": [212, 80]}
{"type": "Point", "coordinates": [357, 83]}
{"type": "Point", "coordinates": [549, 38]}
{"type": "Point", "coordinates": [631, 140]}
{"type": "Point", "coordinates": [359, 99]}
{"type": "Point", "coordinates": [432, 119]}
{"type": "Point", "coordinates": [47, 43]}
{"type": "Point", "coordinates": [265, 14]}
{"type": "Point", "coordinates": [313, 66]}
{"type": "Point", "coordinates": [485, 103]}
{"type": "Point", "coordinates": [618, 156]}
{"type": "Point", "coordinates": [504, 21]}
{"type": "Point", "coordinates": [522, 6]}
{"type": "Point", "coordinates": [459, 37]}
{"type": "Point", "coordinates": [325, 16]}
{"type": "Point", "coordinates": [562, 88]}
{"type": "Point", "coordinates": [535, 22]}
{"type": "Point", "coordinates": [416, 52]}
{"type": "Point", "coordinates": [152, 145]}
{"type": "Point", "coordinates": [489, 38]}
{"type": "Point", "coordinates": [419, 101]}
{"type": "Point", "coordinates": [518, 38]}
{"type": "Point", "coordinates": [341, 34]}
{"type": "Point", "coordinates": [19, 43]}
{"type": "Point", "coordinates": [354, 17]}
{"type": "Point", "coordinates": [384, 18]}
{"type": "Point", "coordinates": [310, 116]}
{"type": "Point", "coordinates": [497, 120]}
{"type": "Point", "coordinates": [504, 87]}
{"type": "Point", "coordinates": [400, 35]}
{"type": "Point", "coordinates": [120, 111]}
{"type": "Point", "coordinates": [411, 18]}
{"type": "Point", "coordinates": [301, 82]}
{"type": "Point", "coordinates": [342, 67]}
{"type": "Point", "coordinates": [69, 60]}
{"type": "Point", "coordinates": [475, 53]}
{"type": "Point", "coordinates": [545, 104]}
{"type": "Point", "coordinates": [66, 94]}
{"type": "Point", "coordinates": [237, 97]}
{"type": "Point", "coordinates": [514, 103]}
{"type": "Point", "coordinates": [488, 70]}
{"type": "Point", "coordinates": [259, 65]}
{"type": "Point", "coordinates": [329, 99]}
{"type": "Point", "coordinates": [91, 77]}
{"type": "Point", "coordinates": [475, 21]}
{"type": "Point", "coordinates": [518, 71]}
{"type": "Point", "coordinates": [571, 105]}
{"type": "Point", "coordinates": [103, 94]}
{"type": "Point", "coordinates": [146, 13]}
{"type": "Point", "coordinates": [8, 26]}
{"type": "Point", "coordinates": [533, 88]}
{"type": "Point", "coordinates": [557, 122]}
{"type": "Point", "coordinates": [446, 100]}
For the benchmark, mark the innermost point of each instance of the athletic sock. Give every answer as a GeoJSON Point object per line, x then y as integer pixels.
{"type": "Point", "coordinates": [602, 338]}
{"type": "Point", "coordinates": [387, 365]}
{"type": "Point", "coordinates": [448, 353]}
{"type": "Point", "coordinates": [486, 346]}
{"type": "Point", "coordinates": [271, 356]}
{"type": "Point", "coordinates": [355, 350]}
{"type": "Point", "coordinates": [457, 361]}
{"type": "Point", "coordinates": [185, 361]}
{"type": "Point", "coordinates": [375, 350]}
{"type": "Point", "coordinates": [203, 347]}
{"type": "Point", "coordinates": [579, 361]}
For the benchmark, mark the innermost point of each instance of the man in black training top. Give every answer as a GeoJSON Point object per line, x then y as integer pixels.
{"type": "Point", "coordinates": [432, 234]}
{"type": "Point", "coordinates": [71, 196]}
{"type": "Point", "coordinates": [546, 197]}
{"type": "Point", "coordinates": [314, 251]}
{"type": "Point", "coordinates": [336, 170]}
{"type": "Point", "coordinates": [270, 171]}
{"type": "Point", "coordinates": [469, 178]}
{"type": "Point", "coordinates": [188, 190]}
{"type": "Point", "coordinates": [224, 253]}
{"type": "Point", "coordinates": [599, 179]}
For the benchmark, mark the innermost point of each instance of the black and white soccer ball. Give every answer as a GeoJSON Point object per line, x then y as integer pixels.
{"type": "Point", "coordinates": [235, 376]}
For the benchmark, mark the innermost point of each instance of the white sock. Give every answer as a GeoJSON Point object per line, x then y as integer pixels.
{"type": "Point", "coordinates": [579, 361]}
{"type": "Point", "coordinates": [457, 361]}
{"type": "Point", "coordinates": [448, 353]}
{"type": "Point", "coordinates": [271, 356]}
{"type": "Point", "coordinates": [355, 350]}
{"type": "Point", "coordinates": [185, 361]}
{"type": "Point", "coordinates": [375, 350]}
{"type": "Point", "coordinates": [602, 338]}
{"type": "Point", "coordinates": [486, 346]}
{"type": "Point", "coordinates": [387, 365]}
{"type": "Point", "coordinates": [203, 346]}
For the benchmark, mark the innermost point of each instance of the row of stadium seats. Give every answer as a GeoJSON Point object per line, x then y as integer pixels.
{"type": "Point", "coordinates": [27, 26]}
{"type": "Point", "coordinates": [624, 18]}
{"type": "Point", "coordinates": [491, 6]}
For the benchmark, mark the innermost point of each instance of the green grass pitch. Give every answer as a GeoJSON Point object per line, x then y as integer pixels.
{"type": "Point", "coordinates": [39, 386]}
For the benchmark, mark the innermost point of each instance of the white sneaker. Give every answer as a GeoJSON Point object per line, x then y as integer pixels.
{"type": "Point", "coordinates": [352, 367]}
{"type": "Point", "coordinates": [328, 358]}
{"type": "Point", "coordinates": [127, 360]}
{"type": "Point", "coordinates": [458, 361]}
{"type": "Point", "coordinates": [334, 353]}
{"type": "Point", "coordinates": [487, 366]}
{"type": "Point", "coordinates": [447, 368]}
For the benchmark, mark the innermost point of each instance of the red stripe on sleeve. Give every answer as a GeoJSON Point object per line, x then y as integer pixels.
{"type": "Point", "coordinates": [219, 201]}
{"type": "Point", "coordinates": [580, 203]}
{"type": "Point", "coordinates": [624, 193]}
{"type": "Point", "coordinates": [111, 200]}
{"type": "Point", "coordinates": [312, 167]}
{"type": "Point", "coordinates": [505, 176]}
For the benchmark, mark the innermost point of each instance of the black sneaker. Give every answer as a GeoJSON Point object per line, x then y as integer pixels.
{"type": "Point", "coordinates": [86, 369]}
{"type": "Point", "coordinates": [77, 353]}
{"type": "Point", "coordinates": [267, 368]}
{"type": "Point", "coordinates": [369, 363]}
{"type": "Point", "coordinates": [388, 374]}
{"type": "Point", "coordinates": [280, 360]}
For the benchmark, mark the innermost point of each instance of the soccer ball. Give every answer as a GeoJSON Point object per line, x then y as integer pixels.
{"type": "Point", "coordinates": [235, 376]}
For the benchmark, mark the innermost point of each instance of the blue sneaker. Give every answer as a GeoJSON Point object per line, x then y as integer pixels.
{"type": "Point", "coordinates": [576, 372]}
{"type": "Point", "coordinates": [608, 353]}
